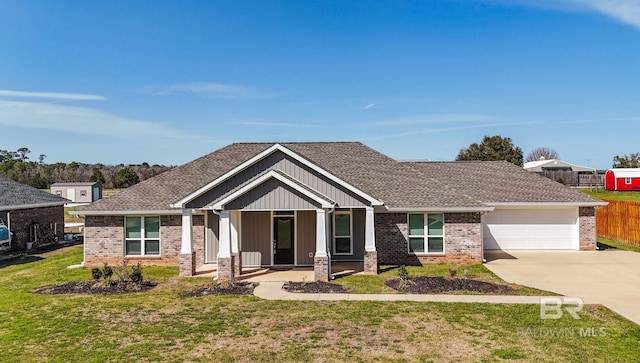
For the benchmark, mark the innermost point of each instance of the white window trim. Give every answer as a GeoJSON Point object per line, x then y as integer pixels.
{"type": "Point", "coordinates": [425, 236]}
{"type": "Point", "coordinates": [142, 237]}
{"type": "Point", "coordinates": [350, 253]}
{"type": "Point", "coordinates": [627, 181]}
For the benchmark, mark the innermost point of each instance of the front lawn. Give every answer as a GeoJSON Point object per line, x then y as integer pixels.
{"type": "Point", "coordinates": [633, 196]}
{"type": "Point", "coordinates": [606, 244]}
{"type": "Point", "coordinates": [160, 325]}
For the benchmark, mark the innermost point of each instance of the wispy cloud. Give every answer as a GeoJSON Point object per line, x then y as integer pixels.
{"type": "Point", "coordinates": [271, 124]}
{"type": "Point", "coordinates": [437, 118]}
{"type": "Point", "coordinates": [451, 128]}
{"type": "Point", "coordinates": [625, 11]}
{"type": "Point", "coordinates": [52, 95]}
{"type": "Point", "coordinates": [207, 89]}
{"type": "Point", "coordinates": [368, 106]}
{"type": "Point", "coordinates": [81, 120]}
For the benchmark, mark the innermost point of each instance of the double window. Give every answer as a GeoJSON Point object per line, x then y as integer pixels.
{"type": "Point", "coordinates": [142, 236]}
{"type": "Point", "coordinates": [342, 236]}
{"type": "Point", "coordinates": [426, 233]}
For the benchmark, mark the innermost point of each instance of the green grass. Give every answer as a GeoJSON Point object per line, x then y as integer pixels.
{"type": "Point", "coordinates": [604, 243]}
{"type": "Point", "coordinates": [633, 196]}
{"type": "Point", "coordinates": [369, 284]}
{"type": "Point", "coordinates": [159, 325]}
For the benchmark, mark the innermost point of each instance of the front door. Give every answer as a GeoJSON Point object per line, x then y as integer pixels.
{"type": "Point", "coordinates": [283, 240]}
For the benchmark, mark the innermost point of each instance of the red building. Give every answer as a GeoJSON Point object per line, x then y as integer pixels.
{"type": "Point", "coordinates": [622, 179]}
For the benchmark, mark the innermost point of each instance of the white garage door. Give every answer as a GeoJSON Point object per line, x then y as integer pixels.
{"type": "Point", "coordinates": [531, 229]}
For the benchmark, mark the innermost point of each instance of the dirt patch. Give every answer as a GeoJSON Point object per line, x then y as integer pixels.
{"type": "Point", "coordinates": [435, 285]}
{"type": "Point", "coordinates": [317, 287]}
{"type": "Point", "coordinates": [225, 288]}
{"type": "Point", "coordinates": [94, 287]}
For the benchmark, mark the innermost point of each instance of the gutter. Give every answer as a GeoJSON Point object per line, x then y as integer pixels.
{"type": "Point", "coordinates": [125, 212]}
{"type": "Point", "coordinates": [29, 206]}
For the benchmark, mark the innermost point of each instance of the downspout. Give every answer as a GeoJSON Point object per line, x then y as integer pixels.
{"type": "Point", "coordinates": [9, 228]}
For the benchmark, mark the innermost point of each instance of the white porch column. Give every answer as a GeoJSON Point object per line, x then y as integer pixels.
{"type": "Point", "coordinates": [224, 249]}
{"type": "Point", "coordinates": [234, 219]}
{"type": "Point", "coordinates": [187, 260]}
{"type": "Point", "coordinates": [370, 254]}
{"type": "Point", "coordinates": [369, 231]}
{"type": "Point", "coordinates": [225, 258]}
{"type": "Point", "coordinates": [236, 248]}
{"type": "Point", "coordinates": [321, 233]}
{"type": "Point", "coordinates": [187, 243]}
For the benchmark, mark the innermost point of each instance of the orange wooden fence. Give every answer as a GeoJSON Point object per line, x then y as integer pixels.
{"type": "Point", "coordinates": [620, 221]}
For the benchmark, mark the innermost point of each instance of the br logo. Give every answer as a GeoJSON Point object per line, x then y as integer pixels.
{"type": "Point", "coordinates": [551, 307]}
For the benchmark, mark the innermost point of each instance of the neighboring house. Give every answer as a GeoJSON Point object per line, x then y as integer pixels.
{"type": "Point", "coordinates": [555, 164]}
{"type": "Point", "coordinates": [309, 204]}
{"type": "Point", "coordinates": [78, 192]}
{"type": "Point", "coordinates": [623, 179]}
{"type": "Point", "coordinates": [32, 215]}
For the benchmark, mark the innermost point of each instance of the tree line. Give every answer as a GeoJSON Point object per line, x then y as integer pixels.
{"type": "Point", "coordinates": [17, 166]}
{"type": "Point", "coordinates": [494, 148]}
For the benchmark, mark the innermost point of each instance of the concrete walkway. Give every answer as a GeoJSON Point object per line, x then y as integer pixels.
{"type": "Point", "coordinates": [610, 278]}
{"type": "Point", "coordinates": [272, 290]}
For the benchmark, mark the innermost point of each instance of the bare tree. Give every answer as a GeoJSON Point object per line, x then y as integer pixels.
{"type": "Point", "coordinates": [541, 152]}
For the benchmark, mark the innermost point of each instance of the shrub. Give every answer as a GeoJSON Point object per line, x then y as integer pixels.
{"type": "Point", "coordinates": [96, 273]}
{"type": "Point", "coordinates": [136, 274]}
{"type": "Point", "coordinates": [107, 271]}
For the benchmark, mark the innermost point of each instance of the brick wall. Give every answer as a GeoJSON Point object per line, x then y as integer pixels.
{"type": "Point", "coordinates": [197, 235]}
{"type": "Point", "coordinates": [587, 222]}
{"type": "Point", "coordinates": [104, 241]}
{"type": "Point", "coordinates": [22, 219]}
{"type": "Point", "coordinates": [463, 239]}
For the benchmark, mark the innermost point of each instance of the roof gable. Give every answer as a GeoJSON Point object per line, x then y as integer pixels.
{"type": "Point", "coordinates": [260, 156]}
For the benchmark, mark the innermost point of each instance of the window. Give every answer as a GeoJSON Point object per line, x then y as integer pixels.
{"type": "Point", "coordinates": [342, 241]}
{"type": "Point", "coordinates": [34, 232]}
{"type": "Point", "coordinates": [426, 233]}
{"type": "Point", "coordinates": [83, 193]}
{"type": "Point", "coordinates": [627, 180]}
{"type": "Point", "coordinates": [142, 236]}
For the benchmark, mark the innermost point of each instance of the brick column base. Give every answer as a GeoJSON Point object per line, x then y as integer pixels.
{"type": "Point", "coordinates": [187, 264]}
{"type": "Point", "coordinates": [587, 222]}
{"type": "Point", "coordinates": [321, 268]}
{"type": "Point", "coordinates": [225, 268]}
{"type": "Point", "coordinates": [237, 263]}
{"type": "Point", "coordinates": [371, 262]}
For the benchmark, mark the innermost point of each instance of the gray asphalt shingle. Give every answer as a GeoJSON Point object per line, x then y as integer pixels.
{"type": "Point", "coordinates": [397, 184]}
{"type": "Point", "coordinates": [14, 194]}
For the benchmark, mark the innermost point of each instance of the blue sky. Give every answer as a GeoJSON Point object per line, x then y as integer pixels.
{"type": "Point", "coordinates": [168, 81]}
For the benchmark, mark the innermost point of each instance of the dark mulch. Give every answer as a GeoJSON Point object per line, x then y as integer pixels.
{"type": "Point", "coordinates": [224, 288]}
{"type": "Point", "coordinates": [434, 285]}
{"type": "Point", "coordinates": [314, 287]}
{"type": "Point", "coordinates": [95, 287]}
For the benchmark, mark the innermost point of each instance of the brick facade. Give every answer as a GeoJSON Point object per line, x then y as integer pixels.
{"type": "Point", "coordinates": [463, 239]}
{"type": "Point", "coordinates": [197, 235]}
{"type": "Point", "coordinates": [49, 220]}
{"type": "Point", "coordinates": [587, 222]}
{"type": "Point", "coordinates": [321, 268]}
{"type": "Point", "coordinates": [104, 241]}
{"type": "Point", "coordinates": [225, 268]}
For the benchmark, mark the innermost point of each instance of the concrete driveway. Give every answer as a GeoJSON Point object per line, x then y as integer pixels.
{"type": "Point", "coordinates": [611, 278]}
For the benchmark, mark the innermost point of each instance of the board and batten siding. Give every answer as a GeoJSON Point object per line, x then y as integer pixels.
{"type": "Point", "coordinates": [272, 194]}
{"type": "Point", "coordinates": [256, 238]}
{"type": "Point", "coordinates": [280, 161]}
{"type": "Point", "coordinates": [306, 237]}
{"type": "Point", "coordinates": [213, 225]}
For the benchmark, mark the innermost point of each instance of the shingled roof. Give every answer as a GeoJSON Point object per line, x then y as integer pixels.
{"type": "Point", "coordinates": [497, 182]}
{"type": "Point", "coordinates": [400, 185]}
{"type": "Point", "coordinates": [14, 195]}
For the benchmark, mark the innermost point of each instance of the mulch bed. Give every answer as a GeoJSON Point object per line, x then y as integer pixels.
{"type": "Point", "coordinates": [435, 285]}
{"type": "Point", "coordinates": [95, 287]}
{"type": "Point", "coordinates": [314, 287]}
{"type": "Point", "coordinates": [225, 288]}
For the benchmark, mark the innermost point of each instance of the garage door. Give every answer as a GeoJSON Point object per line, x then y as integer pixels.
{"type": "Point", "coordinates": [531, 229]}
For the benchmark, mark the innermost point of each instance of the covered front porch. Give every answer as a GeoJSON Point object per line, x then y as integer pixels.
{"type": "Point", "coordinates": [295, 274]}
{"type": "Point", "coordinates": [248, 242]}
